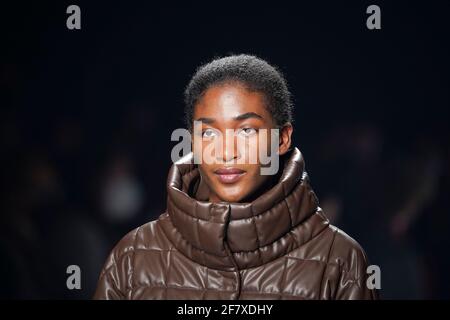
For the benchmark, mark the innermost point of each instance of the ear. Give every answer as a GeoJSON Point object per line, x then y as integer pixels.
{"type": "Point", "coordinates": [285, 138]}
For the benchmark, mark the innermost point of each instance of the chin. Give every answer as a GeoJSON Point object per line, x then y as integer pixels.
{"type": "Point", "coordinates": [235, 197]}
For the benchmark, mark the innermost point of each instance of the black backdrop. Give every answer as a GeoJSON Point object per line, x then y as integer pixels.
{"type": "Point", "coordinates": [74, 103]}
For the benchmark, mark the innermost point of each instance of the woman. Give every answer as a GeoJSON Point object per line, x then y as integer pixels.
{"type": "Point", "coordinates": [230, 231]}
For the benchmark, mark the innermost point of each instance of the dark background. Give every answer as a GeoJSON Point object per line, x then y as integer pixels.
{"type": "Point", "coordinates": [86, 118]}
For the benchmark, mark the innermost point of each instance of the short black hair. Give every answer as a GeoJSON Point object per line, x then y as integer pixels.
{"type": "Point", "coordinates": [253, 73]}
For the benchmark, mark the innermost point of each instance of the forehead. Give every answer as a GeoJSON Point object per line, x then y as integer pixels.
{"type": "Point", "coordinates": [230, 100]}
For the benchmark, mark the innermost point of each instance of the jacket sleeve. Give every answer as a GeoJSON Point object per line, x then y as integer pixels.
{"type": "Point", "coordinates": [108, 286]}
{"type": "Point", "coordinates": [353, 262]}
{"type": "Point", "coordinates": [114, 277]}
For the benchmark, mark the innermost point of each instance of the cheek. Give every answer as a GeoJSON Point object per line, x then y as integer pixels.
{"type": "Point", "coordinates": [248, 150]}
{"type": "Point", "coordinates": [266, 137]}
{"type": "Point", "coordinates": [253, 148]}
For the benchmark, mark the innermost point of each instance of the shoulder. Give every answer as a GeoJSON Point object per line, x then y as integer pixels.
{"type": "Point", "coordinates": [145, 238]}
{"type": "Point", "coordinates": [348, 264]}
{"type": "Point", "coordinates": [132, 252]}
{"type": "Point", "coordinates": [347, 253]}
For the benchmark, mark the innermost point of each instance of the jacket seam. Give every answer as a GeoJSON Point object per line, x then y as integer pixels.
{"type": "Point", "coordinates": [258, 243]}
{"type": "Point", "coordinates": [283, 276]}
{"type": "Point", "coordinates": [280, 294]}
{"type": "Point", "coordinates": [163, 287]}
{"type": "Point", "coordinates": [328, 259]}
{"type": "Point", "coordinates": [134, 257]}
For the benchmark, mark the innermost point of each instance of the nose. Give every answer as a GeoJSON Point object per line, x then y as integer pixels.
{"type": "Point", "coordinates": [229, 149]}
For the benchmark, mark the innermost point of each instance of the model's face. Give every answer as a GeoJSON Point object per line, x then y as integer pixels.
{"type": "Point", "coordinates": [235, 116]}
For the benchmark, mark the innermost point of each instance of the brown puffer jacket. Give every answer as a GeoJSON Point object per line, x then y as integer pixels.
{"type": "Point", "coordinates": [281, 246]}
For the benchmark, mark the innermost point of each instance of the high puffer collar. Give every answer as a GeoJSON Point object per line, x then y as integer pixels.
{"type": "Point", "coordinates": [230, 236]}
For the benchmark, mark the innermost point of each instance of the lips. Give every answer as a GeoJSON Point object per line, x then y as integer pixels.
{"type": "Point", "coordinates": [229, 175]}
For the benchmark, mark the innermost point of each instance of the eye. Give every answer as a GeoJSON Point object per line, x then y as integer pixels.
{"type": "Point", "coordinates": [208, 133]}
{"type": "Point", "coordinates": [247, 132]}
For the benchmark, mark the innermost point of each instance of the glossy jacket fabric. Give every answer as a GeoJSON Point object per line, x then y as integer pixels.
{"type": "Point", "coordinates": [280, 246]}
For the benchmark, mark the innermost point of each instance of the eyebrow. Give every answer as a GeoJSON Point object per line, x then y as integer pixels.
{"type": "Point", "coordinates": [247, 115]}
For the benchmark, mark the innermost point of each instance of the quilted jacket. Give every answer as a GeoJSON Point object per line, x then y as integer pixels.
{"type": "Point", "coordinates": [280, 246]}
